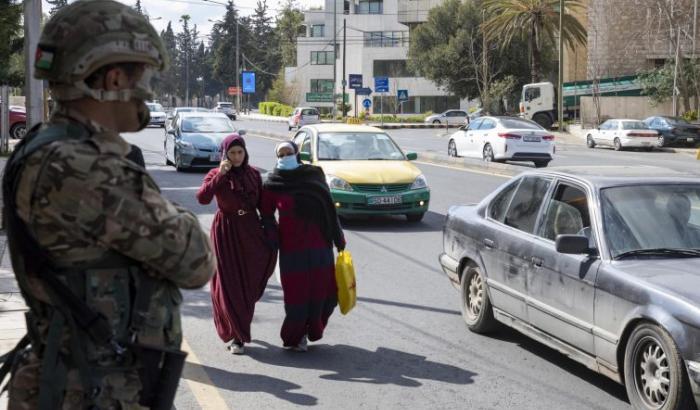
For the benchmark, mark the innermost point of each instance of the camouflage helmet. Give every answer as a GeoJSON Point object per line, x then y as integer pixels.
{"type": "Point", "coordinates": [89, 34]}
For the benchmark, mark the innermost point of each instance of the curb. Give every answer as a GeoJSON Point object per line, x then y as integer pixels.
{"type": "Point", "coordinates": [388, 126]}
{"type": "Point", "coordinates": [431, 158]}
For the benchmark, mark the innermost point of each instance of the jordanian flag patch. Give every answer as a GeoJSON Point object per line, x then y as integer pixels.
{"type": "Point", "coordinates": [44, 59]}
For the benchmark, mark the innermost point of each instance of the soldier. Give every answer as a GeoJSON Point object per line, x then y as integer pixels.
{"type": "Point", "coordinates": [98, 252]}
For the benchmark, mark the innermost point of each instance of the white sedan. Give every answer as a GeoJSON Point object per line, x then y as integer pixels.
{"type": "Point", "coordinates": [621, 134]}
{"type": "Point", "coordinates": [503, 139]}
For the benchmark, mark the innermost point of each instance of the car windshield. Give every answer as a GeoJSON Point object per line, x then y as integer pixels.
{"type": "Point", "coordinates": [651, 217]}
{"type": "Point", "coordinates": [520, 124]}
{"type": "Point", "coordinates": [206, 124]}
{"type": "Point", "coordinates": [155, 107]}
{"type": "Point", "coordinates": [676, 121]}
{"type": "Point", "coordinates": [634, 125]}
{"type": "Point", "coordinates": [357, 146]}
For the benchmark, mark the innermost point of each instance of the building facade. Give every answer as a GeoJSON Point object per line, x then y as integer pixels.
{"type": "Point", "coordinates": [375, 42]}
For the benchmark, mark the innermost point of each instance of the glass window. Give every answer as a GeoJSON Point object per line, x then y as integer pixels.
{"type": "Point", "coordinates": [155, 107]}
{"type": "Point", "coordinates": [674, 120]}
{"type": "Point", "coordinates": [391, 68]}
{"type": "Point", "coordinates": [317, 30]}
{"type": "Point", "coordinates": [299, 138]}
{"type": "Point", "coordinates": [527, 201]}
{"type": "Point", "coordinates": [438, 103]}
{"type": "Point", "coordinates": [206, 124]}
{"type": "Point", "coordinates": [321, 57]}
{"type": "Point", "coordinates": [306, 145]}
{"type": "Point", "coordinates": [520, 124]}
{"type": "Point", "coordinates": [634, 125]}
{"type": "Point", "coordinates": [499, 205]}
{"type": "Point", "coordinates": [651, 217]}
{"type": "Point", "coordinates": [474, 125]}
{"type": "Point", "coordinates": [321, 86]}
{"type": "Point", "coordinates": [532, 93]}
{"type": "Point", "coordinates": [357, 146]}
{"type": "Point", "coordinates": [370, 7]}
{"type": "Point", "coordinates": [567, 214]}
{"type": "Point", "coordinates": [487, 124]}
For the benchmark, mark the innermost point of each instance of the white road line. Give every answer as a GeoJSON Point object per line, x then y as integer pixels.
{"type": "Point", "coordinates": [495, 174]}
{"type": "Point", "coordinates": [203, 389]}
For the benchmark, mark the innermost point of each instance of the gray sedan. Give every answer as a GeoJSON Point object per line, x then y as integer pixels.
{"type": "Point", "coordinates": [193, 141]}
{"type": "Point", "coordinates": [600, 263]}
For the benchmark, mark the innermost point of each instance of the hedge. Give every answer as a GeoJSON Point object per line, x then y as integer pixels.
{"type": "Point", "coordinates": [275, 108]}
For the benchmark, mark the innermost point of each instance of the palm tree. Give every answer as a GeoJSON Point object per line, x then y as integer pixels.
{"type": "Point", "coordinates": [535, 20]}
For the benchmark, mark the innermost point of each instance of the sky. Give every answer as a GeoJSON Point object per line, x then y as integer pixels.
{"type": "Point", "coordinates": [200, 11]}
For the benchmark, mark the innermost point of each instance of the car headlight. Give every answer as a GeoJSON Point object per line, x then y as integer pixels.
{"type": "Point", "coordinates": [420, 183]}
{"type": "Point", "coordinates": [337, 183]}
{"type": "Point", "coordinates": [186, 146]}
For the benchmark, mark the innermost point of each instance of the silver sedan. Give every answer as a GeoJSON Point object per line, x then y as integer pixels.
{"type": "Point", "coordinates": [600, 263]}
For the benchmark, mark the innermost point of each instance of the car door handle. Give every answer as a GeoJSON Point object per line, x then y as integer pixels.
{"type": "Point", "coordinates": [536, 261]}
{"type": "Point", "coordinates": [489, 243]}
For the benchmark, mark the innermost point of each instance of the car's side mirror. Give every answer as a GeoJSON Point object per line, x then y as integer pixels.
{"type": "Point", "coordinates": [573, 245]}
{"type": "Point", "coordinates": [305, 156]}
{"type": "Point", "coordinates": [411, 156]}
{"type": "Point", "coordinates": [463, 128]}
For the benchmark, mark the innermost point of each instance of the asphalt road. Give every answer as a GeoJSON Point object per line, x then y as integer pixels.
{"type": "Point", "coordinates": [404, 345]}
{"type": "Point", "coordinates": [569, 153]}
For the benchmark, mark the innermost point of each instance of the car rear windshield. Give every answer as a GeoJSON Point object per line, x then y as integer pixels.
{"type": "Point", "coordinates": [155, 107]}
{"type": "Point", "coordinates": [309, 111]}
{"type": "Point", "coordinates": [634, 125]}
{"type": "Point", "coordinates": [676, 121]}
{"type": "Point", "coordinates": [651, 217]}
{"type": "Point", "coordinates": [357, 146]}
{"type": "Point", "coordinates": [206, 124]}
{"type": "Point", "coordinates": [515, 123]}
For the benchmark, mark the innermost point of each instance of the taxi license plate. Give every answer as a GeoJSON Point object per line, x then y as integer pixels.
{"type": "Point", "coordinates": [215, 157]}
{"type": "Point", "coordinates": [384, 200]}
{"type": "Point", "coordinates": [532, 139]}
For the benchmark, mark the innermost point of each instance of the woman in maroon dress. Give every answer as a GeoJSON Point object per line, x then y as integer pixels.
{"type": "Point", "coordinates": [245, 260]}
{"type": "Point", "coordinates": [308, 228]}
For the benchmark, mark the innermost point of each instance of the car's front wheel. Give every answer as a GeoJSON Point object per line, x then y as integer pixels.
{"type": "Point", "coordinates": [18, 130]}
{"type": "Point", "coordinates": [436, 122]}
{"type": "Point", "coordinates": [178, 161]}
{"type": "Point", "coordinates": [452, 149]}
{"type": "Point", "coordinates": [476, 306]}
{"type": "Point", "coordinates": [590, 142]}
{"type": "Point", "coordinates": [655, 376]}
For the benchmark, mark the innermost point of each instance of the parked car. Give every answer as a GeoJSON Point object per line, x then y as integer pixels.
{"type": "Point", "coordinates": [501, 139]}
{"type": "Point", "coordinates": [303, 116]}
{"type": "Point", "coordinates": [368, 174]}
{"type": "Point", "coordinates": [170, 117]}
{"type": "Point", "coordinates": [450, 117]}
{"type": "Point", "coordinates": [226, 108]}
{"type": "Point", "coordinates": [157, 114]}
{"type": "Point", "coordinates": [194, 139]}
{"type": "Point", "coordinates": [18, 121]}
{"type": "Point", "coordinates": [674, 130]}
{"type": "Point", "coordinates": [621, 134]}
{"type": "Point", "coordinates": [599, 263]}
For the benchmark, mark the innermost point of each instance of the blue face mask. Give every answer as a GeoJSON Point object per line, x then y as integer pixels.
{"type": "Point", "coordinates": [287, 163]}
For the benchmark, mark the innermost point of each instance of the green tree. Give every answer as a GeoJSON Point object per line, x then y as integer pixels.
{"type": "Point", "coordinates": [289, 24]}
{"type": "Point", "coordinates": [11, 46]}
{"type": "Point", "coordinates": [56, 5]}
{"type": "Point", "coordinates": [262, 50]}
{"type": "Point", "coordinates": [451, 50]}
{"type": "Point", "coordinates": [537, 21]}
{"type": "Point", "coordinates": [170, 77]}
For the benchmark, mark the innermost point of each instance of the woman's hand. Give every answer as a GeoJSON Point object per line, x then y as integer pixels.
{"type": "Point", "coordinates": [225, 166]}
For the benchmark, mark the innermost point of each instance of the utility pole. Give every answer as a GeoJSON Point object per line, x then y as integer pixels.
{"type": "Point", "coordinates": [695, 25]}
{"type": "Point", "coordinates": [238, 71]}
{"type": "Point", "coordinates": [187, 76]}
{"type": "Point", "coordinates": [34, 88]}
{"type": "Point", "coordinates": [675, 74]}
{"type": "Point", "coordinates": [344, 43]}
{"type": "Point", "coordinates": [560, 100]}
{"type": "Point", "coordinates": [335, 57]}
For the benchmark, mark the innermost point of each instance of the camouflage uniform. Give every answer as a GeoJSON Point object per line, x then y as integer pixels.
{"type": "Point", "coordinates": [83, 201]}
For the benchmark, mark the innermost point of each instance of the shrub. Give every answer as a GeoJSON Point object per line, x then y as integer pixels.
{"type": "Point", "coordinates": [691, 116]}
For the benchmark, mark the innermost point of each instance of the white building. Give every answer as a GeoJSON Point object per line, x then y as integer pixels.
{"type": "Point", "coordinates": [376, 45]}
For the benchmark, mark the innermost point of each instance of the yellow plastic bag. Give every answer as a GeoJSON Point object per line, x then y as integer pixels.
{"type": "Point", "coordinates": [345, 279]}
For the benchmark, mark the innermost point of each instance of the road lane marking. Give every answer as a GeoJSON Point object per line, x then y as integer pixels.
{"type": "Point", "coordinates": [203, 389]}
{"type": "Point", "coordinates": [495, 174]}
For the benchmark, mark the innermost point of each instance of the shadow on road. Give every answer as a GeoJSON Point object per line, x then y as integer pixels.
{"type": "Point", "coordinates": [507, 334]}
{"type": "Point", "coordinates": [432, 222]}
{"type": "Point", "coordinates": [353, 364]}
{"type": "Point", "coordinates": [253, 383]}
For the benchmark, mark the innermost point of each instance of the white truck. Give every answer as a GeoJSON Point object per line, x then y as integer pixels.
{"type": "Point", "coordinates": [538, 101]}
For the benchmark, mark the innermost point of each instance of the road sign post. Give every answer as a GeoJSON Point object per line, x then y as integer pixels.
{"type": "Point", "coordinates": [381, 85]}
{"type": "Point", "coordinates": [355, 84]}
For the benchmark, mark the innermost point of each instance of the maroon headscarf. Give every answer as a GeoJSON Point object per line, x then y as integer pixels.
{"type": "Point", "coordinates": [245, 180]}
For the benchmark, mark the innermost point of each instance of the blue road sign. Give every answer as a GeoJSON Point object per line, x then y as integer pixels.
{"type": "Point", "coordinates": [248, 82]}
{"type": "Point", "coordinates": [381, 84]}
{"type": "Point", "coordinates": [355, 81]}
{"type": "Point", "coordinates": [366, 103]}
{"type": "Point", "coordinates": [402, 95]}
{"type": "Point", "coordinates": [363, 91]}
